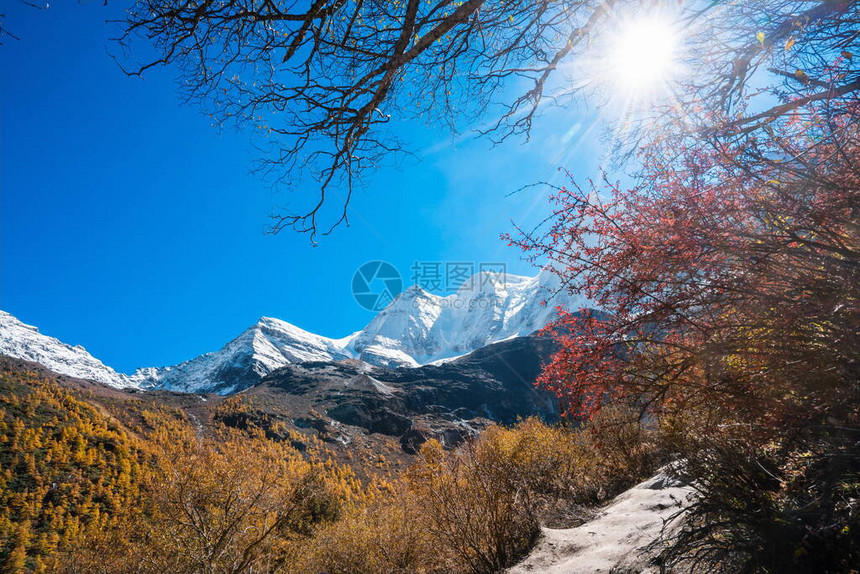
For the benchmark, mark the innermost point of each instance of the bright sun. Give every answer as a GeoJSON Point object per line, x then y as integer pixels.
{"type": "Point", "coordinates": [643, 55]}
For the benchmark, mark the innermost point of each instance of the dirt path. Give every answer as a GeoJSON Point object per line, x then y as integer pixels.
{"type": "Point", "coordinates": [614, 540]}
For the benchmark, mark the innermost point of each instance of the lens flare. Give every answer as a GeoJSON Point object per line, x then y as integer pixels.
{"type": "Point", "coordinates": [643, 54]}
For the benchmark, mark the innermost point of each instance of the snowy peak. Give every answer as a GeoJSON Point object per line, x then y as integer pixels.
{"type": "Point", "coordinates": [268, 345]}
{"type": "Point", "coordinates": [402, 332]}
{"type": "Point", "coordinates": [23, 341]}
{"type": "Point", "coordinates": [289, 343]}
{"type": "Point", "coordinates": [419, 327]}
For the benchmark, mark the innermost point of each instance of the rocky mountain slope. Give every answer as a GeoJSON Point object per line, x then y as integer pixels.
{"type": "Point", "coordinates": [449, 402]}
{"type": "Point", "coordinates": [418, 328]}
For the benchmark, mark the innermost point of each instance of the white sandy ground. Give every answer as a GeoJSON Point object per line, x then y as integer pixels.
{"type": "Point", "coordinates": [617, 538]}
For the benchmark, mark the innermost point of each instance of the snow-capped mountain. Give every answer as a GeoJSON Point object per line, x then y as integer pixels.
{"type": "Point", "coordinates": [26, 342]}
{"type": "Point", "coordinates": [415, 329]}
{"type": "Point", "coordinates": [268, 345]}
{"type": "Point", "coordinates": [419, 327]}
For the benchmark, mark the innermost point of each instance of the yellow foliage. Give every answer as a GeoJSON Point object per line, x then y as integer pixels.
{"type": "Point", "coordinates": [82, 492]}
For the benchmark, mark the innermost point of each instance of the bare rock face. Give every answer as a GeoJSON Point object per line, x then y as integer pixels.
{"type": "Point", "coordinates": [450, 402]}
{"type": "Point", "coordinates": [448, 433]}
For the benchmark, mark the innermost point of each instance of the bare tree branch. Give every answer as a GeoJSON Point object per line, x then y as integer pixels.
{"type": "Point", "coordinates": [322, 79]}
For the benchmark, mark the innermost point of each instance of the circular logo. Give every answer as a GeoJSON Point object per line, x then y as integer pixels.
{"type": "Point", "coordinates": [376, 284]}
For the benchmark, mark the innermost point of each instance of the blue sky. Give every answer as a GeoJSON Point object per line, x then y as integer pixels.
{"type": "Point", "coordinates": [132, 227]}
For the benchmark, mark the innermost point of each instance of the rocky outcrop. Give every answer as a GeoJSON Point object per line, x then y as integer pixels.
{"type": "Point", "coordinates": [449, 402]}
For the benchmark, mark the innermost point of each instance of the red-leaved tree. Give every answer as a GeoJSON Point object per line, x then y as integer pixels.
{"type": "Point", "coordinates": [728, 278]}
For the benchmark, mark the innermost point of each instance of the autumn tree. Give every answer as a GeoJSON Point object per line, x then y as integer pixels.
{"type": "Point", "coordinates": [731, 256]}
{"type": "Point", "coordinates": [229, 505]}
{"type": "Point", "coordinates": [726, 277]}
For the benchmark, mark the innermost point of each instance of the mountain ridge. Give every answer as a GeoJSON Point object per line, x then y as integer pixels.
{"type": "Point", "coordinates": [417, 328]}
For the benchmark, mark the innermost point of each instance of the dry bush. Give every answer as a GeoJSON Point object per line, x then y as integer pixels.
{"type": "Point", "coordinates": [483, 517]}
{"type": "Point", "coordinates": [227, 509]}
{"type": "Point", "coordinates": [620, 450]}
{"type": "Point", "coordinates": [471, 511]}
{"type": "Point", "coordinates": [586, 464]}
{"type": "Point", "coordinates": [552, 463]}
{"type": "Point", "coordinates": [388, 534]}
{"type": "Point", "coordinates": [484, 504]}
{"type": "Point", "coordinates": [547, 460]}
{"type": "Point", "coordinates": [785, 501]}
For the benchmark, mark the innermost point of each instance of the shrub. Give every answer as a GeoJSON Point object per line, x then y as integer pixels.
{"type": "Point", "coordinates": [485, 518]}
{"type": "Point", "coordinates": [230, 504]}
{"type": "Point", "coordinates": [785, 502]}
{"type": "Point", "coordinates": [619, 450]}
{"type": "Point", "coordinates": [485, 502]}
{"type": "Point", "coordinates": [388, 534]}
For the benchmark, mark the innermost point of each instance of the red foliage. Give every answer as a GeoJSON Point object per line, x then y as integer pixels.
{"type": "Point", "coordinates": [727, 277]}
